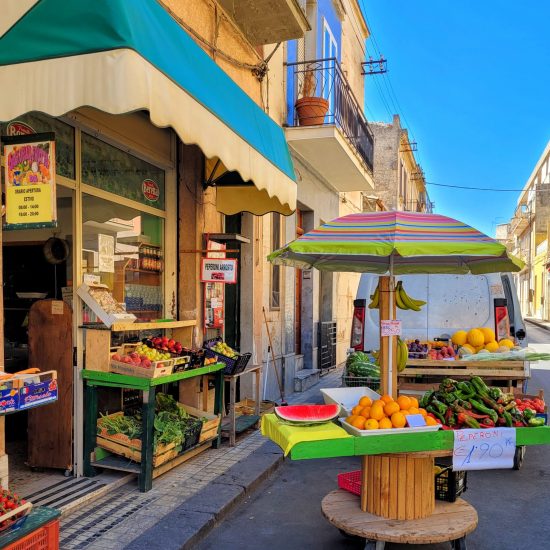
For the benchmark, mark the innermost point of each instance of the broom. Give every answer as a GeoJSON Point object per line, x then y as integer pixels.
{"type": "Point", "coordinates": [283, 401]}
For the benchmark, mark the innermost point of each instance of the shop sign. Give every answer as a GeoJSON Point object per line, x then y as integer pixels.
{"type": "Point", "coordinates": [151, 190]}
{"type": "Point", "coordinates": [30, 181]}
{"type": "Point", "coordinates": [484, 449]}
{"type": "Point", "coordinates": [18, 128]}
{"type": "Point", "coordinates": [214, 270]}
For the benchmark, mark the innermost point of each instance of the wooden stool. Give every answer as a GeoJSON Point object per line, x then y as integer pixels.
{"type": "Point", "coordinates": [451, 521]}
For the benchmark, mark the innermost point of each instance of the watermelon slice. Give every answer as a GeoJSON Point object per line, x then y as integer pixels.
{"type": "Point", "coordinates": [308, 414]}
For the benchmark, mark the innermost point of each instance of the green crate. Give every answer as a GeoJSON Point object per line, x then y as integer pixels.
{"type": "Point", "coordinates": [351, 381]}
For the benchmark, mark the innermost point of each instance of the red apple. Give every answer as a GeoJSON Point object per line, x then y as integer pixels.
{"type": "Point", "coordinates": [116, 357]}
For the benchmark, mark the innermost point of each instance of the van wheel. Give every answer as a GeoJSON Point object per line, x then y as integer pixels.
{"type": "Point", "coordinates": [519, 456]}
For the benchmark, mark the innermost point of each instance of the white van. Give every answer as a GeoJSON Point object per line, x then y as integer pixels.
{"type": "Point", "coordinates": [454, 302]}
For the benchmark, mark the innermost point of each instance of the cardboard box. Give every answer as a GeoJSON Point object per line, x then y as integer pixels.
{"type": "Point", "coordinates": [27, 391]}
{"type": "Point", "coordinates": [100, 300]}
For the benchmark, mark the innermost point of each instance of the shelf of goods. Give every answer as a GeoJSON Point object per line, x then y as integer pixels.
{"type": "Point", "coordinates": [139, 281]}
{"type": "Point", "coordinates": [143, 461]}
{"type": "Point", "coordinates": [424, 374]}
{"type": "Point", "coordinates": [107, 367]}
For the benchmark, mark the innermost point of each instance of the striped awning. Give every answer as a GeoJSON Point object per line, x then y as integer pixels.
{"type": "Point", "coordinates": [397, 243]}
{"type": "Point", "coordinates": [122, 56]}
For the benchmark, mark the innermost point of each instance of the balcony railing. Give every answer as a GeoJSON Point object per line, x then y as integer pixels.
{"type": "Point", "coordinates": [323, 78]}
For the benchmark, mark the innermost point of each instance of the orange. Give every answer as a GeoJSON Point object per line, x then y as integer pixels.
{"type": "Point", "coordinates": [377, 412]}
{"type": "Point", "coordinates": [359, 422]}
{"type": "Point", "coordinates": [351, 418]}
{"type": "Point", "coordinates": [414, 402]}
{"type": "Point", "coordinates": [371, 424]}
{"type": "Point", "coordinates": [356, 410]}
{"type": "Point", "coordinates": [365, 412]}
{"type": "Point", "coordinates": [423, 412]}
{"type": "Point", "coordinates": [414, 410]}
{"type": "Point", "coordinates": [431, 421]}
{"type": "Point", "coordinates": [385, 424]}
{"type": "Point", "coordinates": [391, 408]}
{"type": "Point", "coordinates": [365, 401]}
{"type": "Point", "coordinates": [380, 402]}
{"type": "Point", "coordinates": [398, 420]}
{"type": "Point", "coordinates": [404, 402]}
{"type": "Point", "coordinates": [387, 398]}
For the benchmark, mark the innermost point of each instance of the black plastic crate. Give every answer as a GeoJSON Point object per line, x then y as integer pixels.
{"type": "Point", "coordinates": [449, 484]}
{"type": "Point", "coordinates": [193, 435]}
{"type": "Point", "coordinates": [189, 359]}
{"type": "Point", "coordinates": [232, 366]}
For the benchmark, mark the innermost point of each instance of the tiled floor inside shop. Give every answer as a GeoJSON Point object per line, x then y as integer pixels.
{"type": "Point", "coordinates": [112, 522]}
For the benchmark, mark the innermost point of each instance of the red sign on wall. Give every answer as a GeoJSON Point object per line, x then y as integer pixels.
{"type": "Point", "coordinates": [150, 190]}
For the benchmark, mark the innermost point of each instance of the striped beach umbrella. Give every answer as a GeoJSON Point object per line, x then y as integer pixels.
{"type": "Point", "coordinates": [397, 243]}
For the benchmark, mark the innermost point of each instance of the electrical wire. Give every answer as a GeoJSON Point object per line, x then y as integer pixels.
{"type": "Point", "coordinates": [495, 189]}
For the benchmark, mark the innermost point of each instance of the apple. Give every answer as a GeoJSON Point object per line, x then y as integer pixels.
{"type": "Point", "coordinates": [116, 357]}
{"type": "Point", "coordinates": [146, 363]}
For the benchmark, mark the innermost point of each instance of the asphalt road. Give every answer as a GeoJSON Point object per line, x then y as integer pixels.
{"type": "Point", "coordinates": [284, 513]}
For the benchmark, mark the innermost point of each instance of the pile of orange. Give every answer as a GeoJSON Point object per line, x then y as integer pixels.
{"type": "Point", "coordinates": [385, 413]}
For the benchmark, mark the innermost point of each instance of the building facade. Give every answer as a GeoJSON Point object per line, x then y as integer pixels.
{"type": "Point", "coordinates": [526, 236]}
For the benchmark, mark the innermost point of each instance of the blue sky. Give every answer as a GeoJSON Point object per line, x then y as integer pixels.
{"type": "Point", "coordinates": [473, 81]}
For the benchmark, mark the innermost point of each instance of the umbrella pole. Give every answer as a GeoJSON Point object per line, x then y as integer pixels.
{"type": "Point", "coordinates": [388, 344]}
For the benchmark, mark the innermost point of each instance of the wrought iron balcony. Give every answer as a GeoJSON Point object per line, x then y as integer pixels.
{"type": "Point", "coordinates": [319, 94]}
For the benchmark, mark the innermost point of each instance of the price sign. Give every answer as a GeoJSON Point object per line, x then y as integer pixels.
{"type": "Point", "coordinates": [484, 449]}
{"type": "Point", "coordinates": [390, 328]}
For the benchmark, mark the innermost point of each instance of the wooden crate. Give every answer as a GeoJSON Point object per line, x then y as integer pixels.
{"type": "Point", "coordinates": [157, 368]}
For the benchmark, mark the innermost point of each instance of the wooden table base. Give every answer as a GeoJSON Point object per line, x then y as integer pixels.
{"type": "Point", "coordinates": [398, 486]}
{"type": "Point", "coordinates": [450, 521]}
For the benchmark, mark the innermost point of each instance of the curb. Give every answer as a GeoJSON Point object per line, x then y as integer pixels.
{"type": "Point", "coordinates": [538, 323]}
{"type": "Point", "coordinates": [190, 522]}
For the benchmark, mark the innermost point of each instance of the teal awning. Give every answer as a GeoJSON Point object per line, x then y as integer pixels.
{"type": "Point", "coordinates": [121, 56]}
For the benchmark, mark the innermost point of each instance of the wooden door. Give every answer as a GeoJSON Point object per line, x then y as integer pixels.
{"type": "Point", "coordinates": [298, 292]}
{"type": "Point", "coordinates": [50, 427]}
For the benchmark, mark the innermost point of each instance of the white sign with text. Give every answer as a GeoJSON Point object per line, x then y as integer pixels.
{"type": "Point", "coordinates": [484, 449]}
{"type": "Point", "coordinates": [390, 328]}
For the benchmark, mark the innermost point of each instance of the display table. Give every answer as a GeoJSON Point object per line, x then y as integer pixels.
{"type": "Point", "coordinates": [450, 521]}
{"type": "Point", "coordinates": [147, 386]}
{"type": "Point", "coordinates": [236, 425]}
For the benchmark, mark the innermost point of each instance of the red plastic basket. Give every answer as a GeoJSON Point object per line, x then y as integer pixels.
{"type": "Point", "coordinates": [44, 538]}
{"type": "Point", "coordinates": [350, 481]}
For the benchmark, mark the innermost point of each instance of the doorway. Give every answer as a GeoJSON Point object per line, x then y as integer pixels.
{"type": "Point", "coordinates": [38, 272]}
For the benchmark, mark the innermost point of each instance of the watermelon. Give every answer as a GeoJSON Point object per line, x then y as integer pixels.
{"type": "Point", "coordinates": [361, 364]}
{"type": "Point", "coordinates": [308, 414]}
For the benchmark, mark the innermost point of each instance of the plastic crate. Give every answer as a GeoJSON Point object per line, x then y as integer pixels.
{"type": "Point", "coordinates": [193, 436]}
{"type": "Point", "coordinates": [44, 538]}
{"type": "Point", "coordinates": [449, 484]}
{"type": "Point", "coordinates": [232, 366]}
{"type": "Point", "coordinates": [350, 481]}
{"type": "Point", "coordinates": [351, 381]}
{"type": "Point", "coordinates": [189, 359]}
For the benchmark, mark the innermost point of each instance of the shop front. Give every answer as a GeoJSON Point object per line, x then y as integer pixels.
{"type": "Point", "coordinates": [119, 109]}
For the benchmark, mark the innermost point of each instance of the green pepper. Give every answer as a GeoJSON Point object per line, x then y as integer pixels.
{"type": "Point", "coordinates": [440, 407]}
{"type": "Point", "coordinates": [436, 413]}
{"type": "Point", "coordinates": [508, 419]}
{"type": "Point", "coordinates": [485, 410]}
{"type": "Point", "coordinates": [510, 406]}
{"type": "Point", "coordinates": [480, 386]}
{"type": "Point", "coordinates": [495, 393]}
{"type": "Point", "coordinates": [450, 397]}
{"type": "Point", "coordinates": [492, 404]}
{"type": "Point", "coordinates": [468, 420]}
{"type": "Point", "coordinates": [466, 389]}
{"type": "Point", "coordinates": [426, 399]}
{"type": "Point", "coordinates": [529, 413]}
{"type": "Point", "coordinates": [535, 422]}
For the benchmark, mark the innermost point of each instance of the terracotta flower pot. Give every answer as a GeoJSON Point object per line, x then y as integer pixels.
{"type": "Point", "coordinates": [311, 110]}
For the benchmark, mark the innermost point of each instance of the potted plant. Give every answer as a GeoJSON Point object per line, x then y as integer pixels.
{"type": "Point", "coordinates": [311, 109]}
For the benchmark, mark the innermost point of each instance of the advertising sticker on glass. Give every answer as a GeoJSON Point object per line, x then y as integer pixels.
{"type": "Point", "coordinates": [30, 181]}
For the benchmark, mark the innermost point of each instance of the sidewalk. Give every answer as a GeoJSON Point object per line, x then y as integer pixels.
{"type": "Point", "coordinates": [539, 322]}
{"type": "Point", "coordinates": [185, 503]}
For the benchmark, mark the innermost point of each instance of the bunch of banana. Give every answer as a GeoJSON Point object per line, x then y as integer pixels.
{"type": "Point", "coordinates": [376, 355]}
{"type": "Point", "coordinates": [375, 298]}
{"type": "Point", "coordinates": [402, 354]}
{"type": "Point", "coordinates": [404, 301]}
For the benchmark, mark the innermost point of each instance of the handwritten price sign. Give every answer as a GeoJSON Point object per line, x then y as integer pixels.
{"type": "Point", "coordinates": [390, 328]}
{"type": "Point", "coordinates": [484, 449]}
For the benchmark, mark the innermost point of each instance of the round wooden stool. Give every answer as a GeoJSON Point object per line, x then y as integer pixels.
{"type": "Point", "coordinates": [451, 521]}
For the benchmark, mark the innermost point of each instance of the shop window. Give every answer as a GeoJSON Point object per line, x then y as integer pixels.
{"type": "Point", "coordinates": [124, 247]}
{"type": "Point", "coordinates": [64, 138]}
{"type": "Point", "coordinates": [275, 290]}
{"type": "Point", "coordinates": [118, 172]}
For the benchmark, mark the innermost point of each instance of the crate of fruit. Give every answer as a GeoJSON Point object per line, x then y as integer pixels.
{"type": "Point", "coordinates": [14, 512]}
{"type": "Point", "coordinates": [142, 361]}
{"type": "Point", "coordinates": [184, 358]}
{"type": "Point", "coordinates": [219, 350]}
{"type": "Point", "coordinates": [449, 484]}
